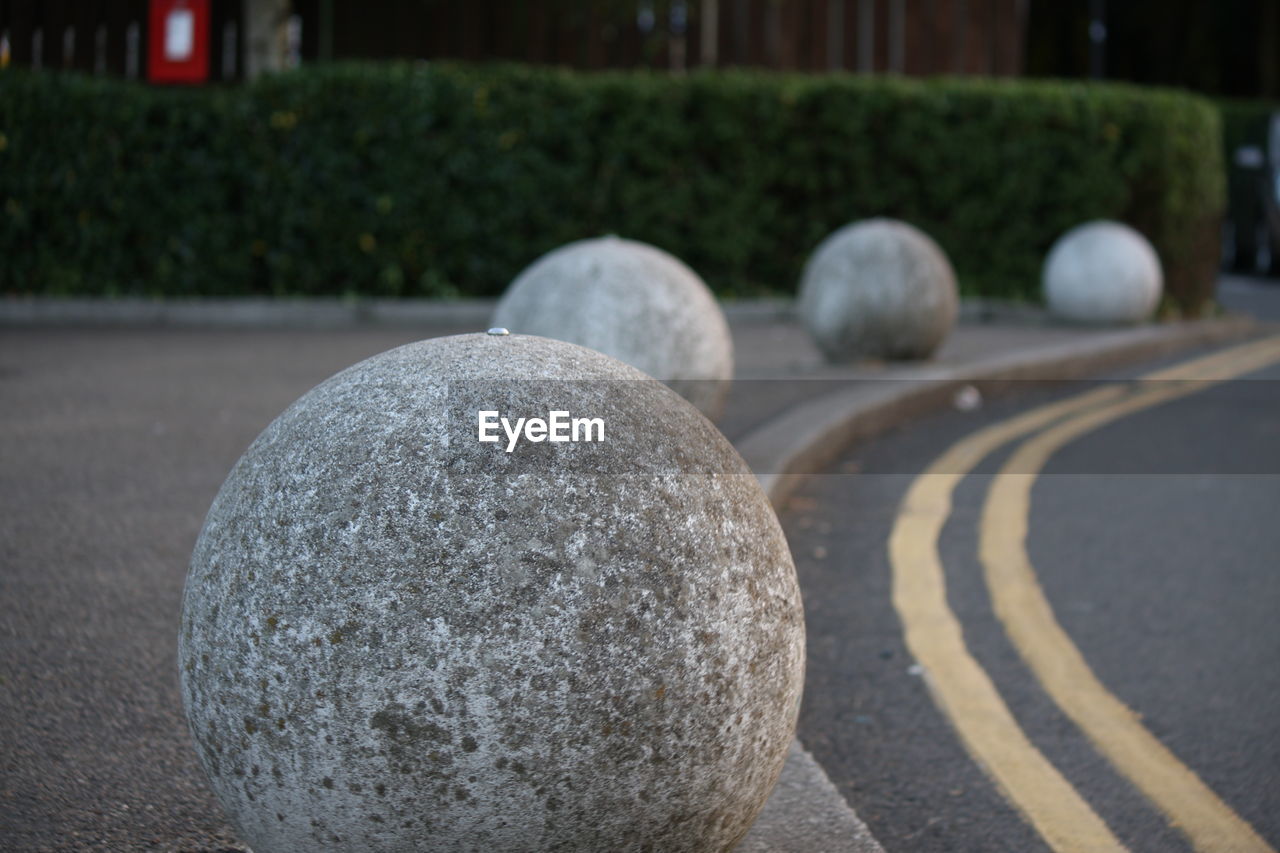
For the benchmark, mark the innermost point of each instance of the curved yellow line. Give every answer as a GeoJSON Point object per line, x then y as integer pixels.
{"type": "Point", "coordinates": [960, 686]}
{"type": "Point", "coordinates": [1019, 602]}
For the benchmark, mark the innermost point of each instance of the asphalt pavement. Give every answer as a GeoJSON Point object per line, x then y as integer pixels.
{"type": "Point", "coordinates": [112, 445]}
{"type": "Point", "coordinates": [1154, 540]}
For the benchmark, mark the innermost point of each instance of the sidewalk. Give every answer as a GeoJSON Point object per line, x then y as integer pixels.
{"type": "Point", "coordinates": [119, 437]}
{"type": "Point", "coordinates": [798, 426]}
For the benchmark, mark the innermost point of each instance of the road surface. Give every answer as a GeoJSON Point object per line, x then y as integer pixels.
{"type": "Point", "coordinates": [1050, 623]}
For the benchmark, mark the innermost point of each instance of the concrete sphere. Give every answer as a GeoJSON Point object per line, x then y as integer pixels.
{"type": "Point", "coordinates": [634, 302]}
{"type": "Point", "coordinates": [395, 637]}
{"type": "Point", "coordinates": [1102, 272]}
{"type": "Point", "coordinates": [878, 289]}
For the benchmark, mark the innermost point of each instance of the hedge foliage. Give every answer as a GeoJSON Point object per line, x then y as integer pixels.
{"type": "Point", "coordinates": [440, 180]}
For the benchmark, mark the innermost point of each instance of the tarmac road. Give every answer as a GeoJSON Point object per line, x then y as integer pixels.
{"type": "Point", "coordinates": [1154, 539]}
{"type": "Point", "coordinates": [112, 446]}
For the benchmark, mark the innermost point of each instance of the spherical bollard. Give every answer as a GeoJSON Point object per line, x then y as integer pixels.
{"type": "Point", "coordinates": [1102, 272]}
{"type": "Point", "coordinates": [878, 289]}
{"type": "Point", "coordinates": [398, 636]}
{"type": "Point", "coordinates": [634, 302]}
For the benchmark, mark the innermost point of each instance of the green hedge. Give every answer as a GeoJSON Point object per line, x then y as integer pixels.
{"type": "Point", "coordinates": [416, 180]}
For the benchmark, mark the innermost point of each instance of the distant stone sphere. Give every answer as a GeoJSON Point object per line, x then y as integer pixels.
{"type": "Point", "coordinates": [879, 288]}
{"type": "Point", "coordinates": [1102, 272]}
{"type": "Point", "coordinates": [634, 302]}
{"type": "Point", "coordinates": [396, 636]}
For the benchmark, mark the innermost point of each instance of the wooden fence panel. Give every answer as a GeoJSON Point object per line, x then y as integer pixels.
{"type": "Point", "coordinates": [915, 37]}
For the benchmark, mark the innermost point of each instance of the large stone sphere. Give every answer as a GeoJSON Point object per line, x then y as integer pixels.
{"type": "Point", "coordinates": [1102, 272]}
{"type": "Point", "coordinates": [878, 289]}
{"type": "Point", "coordinates": [634, 302]}
{"type": "Point", "coordinates": [397, 637]}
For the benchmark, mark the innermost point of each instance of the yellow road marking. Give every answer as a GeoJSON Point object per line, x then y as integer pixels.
{"type": "Point", "coordinates": [960, 686]}
{"type": "Point", "coordinates": [1209, 823]}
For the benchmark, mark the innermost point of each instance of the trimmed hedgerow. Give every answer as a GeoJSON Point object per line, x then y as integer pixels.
{"type": "Point", "coordinates": [442, 180]}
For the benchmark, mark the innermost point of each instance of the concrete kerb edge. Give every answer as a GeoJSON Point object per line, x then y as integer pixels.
{"type": "Point", "coordinates": [37, 312]}
{"type": "Point", "coordinates": [803, 441]}
{"type": "Point", "coordinates": [807, 814]}
{"type": "Point", "coordinates": [338, 313]}
{"type": "Point", "coordinates": [263, 313]}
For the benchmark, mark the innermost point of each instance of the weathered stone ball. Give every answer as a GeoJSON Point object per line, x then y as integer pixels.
{"type": "Point", "coordinates": [878, 289]}
{"type": "Point", "coordinates": [634, 302]}
{"type": "Point", "coordinates": [396, 636]}
{"type": "Point", "coordinates": [1102, 272]}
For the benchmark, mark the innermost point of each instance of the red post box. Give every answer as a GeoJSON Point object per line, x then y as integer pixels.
{"type": "Point", "coordinates": [178, 49]}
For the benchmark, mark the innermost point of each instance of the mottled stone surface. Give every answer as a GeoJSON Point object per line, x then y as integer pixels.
{"type": "Point", "coordinates": [634, 302]}
{"type": "Point", "coordinates": [395, 637]}
{"type": "Point", "coordinates": [878, 289]}
{"type": "Point", "coordinates": [1102, 272]}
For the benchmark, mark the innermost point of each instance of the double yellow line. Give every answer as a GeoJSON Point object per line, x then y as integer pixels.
{"type": "Point", "coordinates": [960, 685]}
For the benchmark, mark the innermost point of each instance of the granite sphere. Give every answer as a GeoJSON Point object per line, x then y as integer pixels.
{"type": "Point", "coordinates": [634, 302]}
{"type": "Point", "coordinates": [878, 289]}
{"type": "Point", "coordinates": [1104, 273]}
{"type": "Point", "coordinates": [397, 637]}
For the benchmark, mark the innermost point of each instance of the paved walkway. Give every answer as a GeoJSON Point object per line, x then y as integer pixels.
{"type": "Point", "coordinates": [112, 445]}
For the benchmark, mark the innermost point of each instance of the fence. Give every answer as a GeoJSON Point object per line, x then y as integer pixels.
{"type": "Point", "coordinates": [107, 36]}
{"type": "Point", "coordinates": [915, 37]}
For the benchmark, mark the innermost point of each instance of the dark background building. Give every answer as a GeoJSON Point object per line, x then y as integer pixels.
{"type": "Point", "coordinates": [1231, 47]}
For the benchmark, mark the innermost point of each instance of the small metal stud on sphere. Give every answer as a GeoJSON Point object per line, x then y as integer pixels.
{"type": "Point", "coordinates": [878, 289]}
{"type": "Point", "coordinates": [631, 301]}
{"type": "Point", "coordinates": [397, 636]}
{"type": "Point", "coordinates": [1104, 273]}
